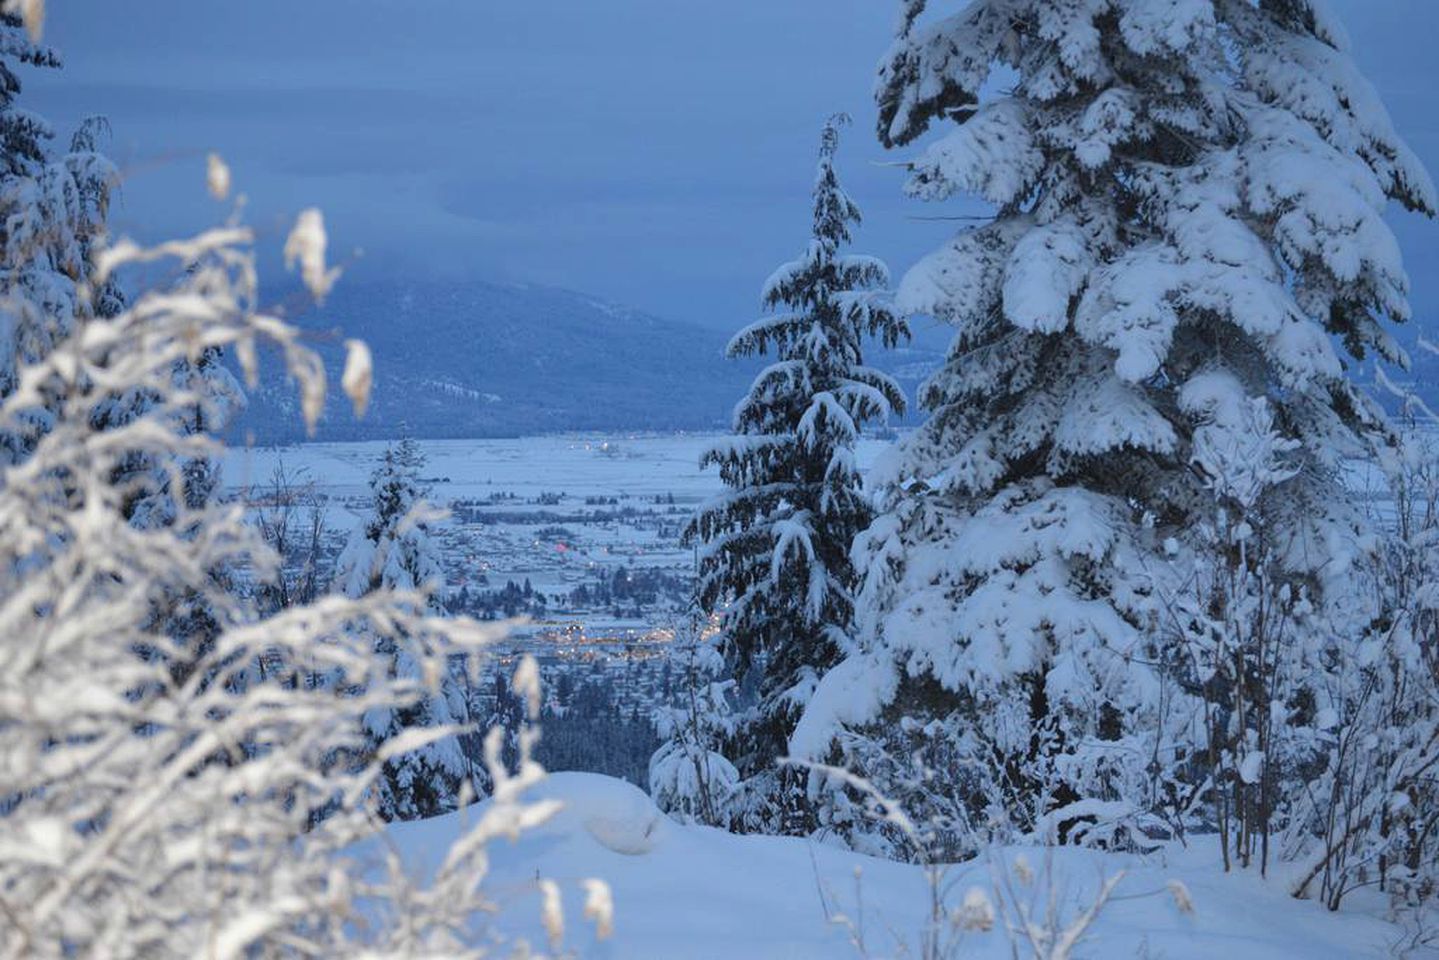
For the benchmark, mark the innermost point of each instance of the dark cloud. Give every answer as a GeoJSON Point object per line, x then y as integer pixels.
{"type": "Point", "coordinates": [656, 152]}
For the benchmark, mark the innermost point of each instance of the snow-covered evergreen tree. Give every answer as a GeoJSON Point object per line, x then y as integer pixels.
{"type": "Point", "coordinates": [689, 778]}
{"type": "Point", "coordinates": [52, 216]}
{"type": "Point", "coordinates": [1188, 201]}
{"type": "Point", "coordinates": [392, 545]}
{"type": "Point", "coordinates": [52, 210]}
{"type": "Point", "coordinates": [775, 547]}
{"type": "Point", "coordinates": [392, 550]}
{"type": "Point", "coordinates": [52, 222]}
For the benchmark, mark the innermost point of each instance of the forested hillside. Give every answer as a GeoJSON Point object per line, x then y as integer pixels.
{"type": "Point", "coordinates": [477, 359]}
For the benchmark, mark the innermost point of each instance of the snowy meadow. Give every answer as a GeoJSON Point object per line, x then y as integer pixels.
{"type": "Point", "coordinates": [1126, 645]}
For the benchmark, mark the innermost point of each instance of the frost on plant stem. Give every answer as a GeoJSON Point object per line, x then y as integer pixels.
{"type": "Point", "coordinates": [306, 246]}
{"type": "Point", "coordinates": [358, 376]}
{"type": "Point", "coordinates": [1182, 899]}
{"type": "Point", "coordinates": [31, 13]}
{"type": "Point", "coordinates": [217, 177]}
{"type": "Point", "coordinates": [599, 906]}
{"type": "Point", "coordinates": [527, 685]}
{"type": "Point", "coordinates": [976, 911]}
{"type": "Point", "coordinates": [552, 912]}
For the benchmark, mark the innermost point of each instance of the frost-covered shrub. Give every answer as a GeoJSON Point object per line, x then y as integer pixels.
{"type": "Point", "coordinates": [1260, 663]}
{"type": "Point", "coordinates": [167, 797]}
{"type": "Point", "coordinates": [290, 515]}
{"type": "Point", "coordinates": [1366, 811]}
{"type": "Point", "coordinates": [924, 767]}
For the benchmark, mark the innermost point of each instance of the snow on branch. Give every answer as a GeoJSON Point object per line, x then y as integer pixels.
{"type": "Point", "coordinates": [182, 774]}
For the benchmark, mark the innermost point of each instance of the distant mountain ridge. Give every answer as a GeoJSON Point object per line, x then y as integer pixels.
{"type": "Point", "coordinates": [475, 359]}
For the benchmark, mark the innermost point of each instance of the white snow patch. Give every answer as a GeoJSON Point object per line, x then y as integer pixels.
{"type": "Point", "coordinates": [702, 893]}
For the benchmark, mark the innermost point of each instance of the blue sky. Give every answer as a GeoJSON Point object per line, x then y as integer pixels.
{"type": "Point", "coordinates": [655, 152]}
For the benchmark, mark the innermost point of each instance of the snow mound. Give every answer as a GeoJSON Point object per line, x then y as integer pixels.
{"type": "Point", "coordinates": [617, 815]}
{"type": "Point", "coordinates": [703, 894]}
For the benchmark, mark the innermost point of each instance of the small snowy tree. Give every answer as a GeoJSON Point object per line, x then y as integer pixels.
{"type": "Point", "coordinates": [503, 712]}
{"type": "Point", "coordinates": [775, 547]}
{"type": "Point", "coordinates": [1249, 640]}
{"type": "Point", "coordinates": [289, 514]}
{"type": "Point", "coordinates": [1368, 810]}
{"type": "Point", "coordinates": [689, 778]}
{"type": "Point", "coordinates": [392, 549]}
{"type": "Point", "coordinates": [392, 545]}
{"type": "Point", "coordinates": [1188, 201]}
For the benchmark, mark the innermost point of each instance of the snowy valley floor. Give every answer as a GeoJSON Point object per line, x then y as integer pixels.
{"type": "Point", "coordinates": [691, 892]}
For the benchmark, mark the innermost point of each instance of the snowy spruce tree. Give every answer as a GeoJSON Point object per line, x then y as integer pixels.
{"type": "Point", "coordinates": [689, 778]}
{"type": "Point", "coordinates": [775, 546]}
{"type": "Point", "coordinates": [392, 550]}
{"type": "Point", "coordinates": [52, 210]}
{"type": "Point", "coordinates": [1186, 247]}
{"type": "Point", "coordinates": [52, 219]}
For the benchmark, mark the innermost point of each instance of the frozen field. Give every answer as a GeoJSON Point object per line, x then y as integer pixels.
{"type": "Point", "coordinates": [589, 465]}
{"type": "Point", "coordinates": [591, 523]}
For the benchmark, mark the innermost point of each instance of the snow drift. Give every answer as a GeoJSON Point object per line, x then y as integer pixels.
{"type": "Point", "coordinates": [696, 892]}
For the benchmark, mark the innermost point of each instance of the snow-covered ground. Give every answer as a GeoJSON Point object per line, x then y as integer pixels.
{"type": "Point", "coordinates": [583, 465]}
{"type": "Point", "coordinates": [579, 464]}
{"type": "Point", "coordinates": [692, 892]}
